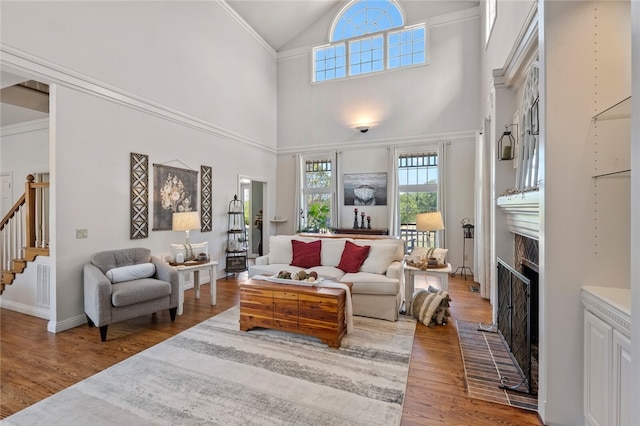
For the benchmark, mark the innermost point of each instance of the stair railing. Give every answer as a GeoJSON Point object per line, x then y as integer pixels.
{"type": "Point", "coordinates": [26, 224]}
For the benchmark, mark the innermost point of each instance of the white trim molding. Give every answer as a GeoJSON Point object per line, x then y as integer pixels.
{"type": "Point", "coordinates": [25, 127]}
{"type": "Point", "coordinates": [612, 305]}
{"type": "Point", "coordinates": [19, 62]}
{"type": "Point", "coordinates": [523, 213]}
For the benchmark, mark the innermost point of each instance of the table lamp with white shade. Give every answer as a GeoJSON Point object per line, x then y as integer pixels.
{"type": "Point", "coordinates": [186, 221]}
{"type": "Point", "coordinates": [429, 222]}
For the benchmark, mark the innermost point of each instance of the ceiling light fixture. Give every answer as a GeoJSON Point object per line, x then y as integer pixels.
{"type": "Point", "coordinates": [362, 129]}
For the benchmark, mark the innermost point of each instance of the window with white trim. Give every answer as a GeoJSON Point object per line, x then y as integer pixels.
{"type": "Point", "coordinates": [368, 36]}
{"type": "Point", "coordinates": [418, 189]}
{"type": "Point", "coordinates": [317, 191]}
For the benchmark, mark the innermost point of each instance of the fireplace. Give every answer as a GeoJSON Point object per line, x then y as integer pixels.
{"type": "Point", "coordinates": [517, 312]}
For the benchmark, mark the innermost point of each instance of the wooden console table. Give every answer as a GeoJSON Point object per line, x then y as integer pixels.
{"type": "Point", "coordinates": [313, 311]}
{"type": "Point", "coordinates": [362, 231]}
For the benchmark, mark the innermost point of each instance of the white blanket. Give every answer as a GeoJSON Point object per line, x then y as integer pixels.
{"type": "Point", "coordinates": [329, 284]}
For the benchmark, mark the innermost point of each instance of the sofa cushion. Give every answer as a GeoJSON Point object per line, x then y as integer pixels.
{"type": "Point", "coordinates": [106, 260]}
{"type": "Point", "coordinates": [280, 250]}
{"type": "Point", "coordinates": [131, 272]}
{"type": "Point", "coordinates": [379, 258]}
{"type": "Point", "coordinates": [306, 255]}
{"type": "Point", "coordinates": [130, 292]}
{"type": "Point", "coordinates": [353, 257]}
{"type": "Point", "coordinates": [332, 249]}
{"type": "Point", "coordinates": [367, 283]}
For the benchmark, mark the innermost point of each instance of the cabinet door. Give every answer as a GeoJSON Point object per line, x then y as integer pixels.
{"type": "Point", "coordinates": [621, 383]}
{"type": "Point", "coordinates": [597, 366]}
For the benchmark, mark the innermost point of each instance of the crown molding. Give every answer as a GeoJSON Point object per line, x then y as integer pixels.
{"type": "Point", "coordinates": [25, 127]}
{"type": "Point", "coordinates": [522, 55]}
{"type": "Point", "coordinates": [459, 136]}
{"type": "Point", "coordinates": [51, 73]}
{"type": "Point", "coordinates": [224, 6]}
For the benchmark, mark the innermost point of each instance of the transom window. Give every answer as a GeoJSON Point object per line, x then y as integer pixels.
{"type": "Point", "coordinates": [367, 37]}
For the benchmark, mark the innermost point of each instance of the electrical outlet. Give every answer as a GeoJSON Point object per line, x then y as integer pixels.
{"type": "Point", "coordinates": [82, 233]}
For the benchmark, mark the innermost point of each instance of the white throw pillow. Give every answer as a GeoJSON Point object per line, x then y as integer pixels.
{"type": "Point", "coordinates": [331, 251]}
{"type": "Point", "coordinates": [380, 257]}
{"type": "Point", "coordinates": [131, 272]}
{"type": "Point", "coordinates": [280, 250]}
{"type": "Point", "coordinates": [440, 255]}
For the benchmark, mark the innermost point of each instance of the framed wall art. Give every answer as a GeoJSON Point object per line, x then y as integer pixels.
{"type": "Point", "coordinates": [139, 196]}
{"type": "Point", "coordinates": [206, 203]}
{"type": "Point", "coordinates": [365, 189]}
{"type": "Point", "coordinates": [174, 190]}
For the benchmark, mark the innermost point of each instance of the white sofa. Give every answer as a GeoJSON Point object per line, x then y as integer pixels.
{"type": "Point", "coordinates": [378, 287]}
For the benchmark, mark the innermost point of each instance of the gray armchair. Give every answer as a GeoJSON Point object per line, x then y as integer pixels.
{"type": "Point", "coordinates": [114, 290]}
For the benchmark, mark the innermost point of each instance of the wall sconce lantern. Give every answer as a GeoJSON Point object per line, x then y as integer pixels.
{"type": "Point", "coordinates": [506, 144]}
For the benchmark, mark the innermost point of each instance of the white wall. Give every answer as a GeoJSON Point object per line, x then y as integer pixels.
{"type": "Point", "coordinates": [24, 149]}
{"type": "Point", "coordinates": [418, 106]}
{"type": "Point", "coordinates": [635, 205]}
{"type": "Point", "coordinates": [157, 78]}
{"type": "Point", "coordinates": [574, 90]}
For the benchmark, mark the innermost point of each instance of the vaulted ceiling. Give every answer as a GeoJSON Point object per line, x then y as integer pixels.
{"type": "Point", "coordinates": [280, 21]}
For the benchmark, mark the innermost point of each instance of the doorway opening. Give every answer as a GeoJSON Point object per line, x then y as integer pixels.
{"type": "Point", "coordinates": [253, 193]}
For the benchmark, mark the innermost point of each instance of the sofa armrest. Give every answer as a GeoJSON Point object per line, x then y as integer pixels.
{"type": "Point", "coordinates": [262, 260]}
{"type": "Point", "coordinates": [396, 271]}
{"type": "Point", "coordinates": [166, 272]}
{"type": "Point", "coordinates": [97, 295]}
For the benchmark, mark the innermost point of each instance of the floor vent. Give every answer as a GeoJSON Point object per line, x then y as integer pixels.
{"type": "Point", "coordinates": [42, 291]}
{"type": "Point", "coordinates": [474, 289]}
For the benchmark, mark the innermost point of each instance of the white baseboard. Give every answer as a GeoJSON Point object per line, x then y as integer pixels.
{"type": "Point", "coordinates": [56, 327]}
{"type": "Point", "coordinates": [34, 311]}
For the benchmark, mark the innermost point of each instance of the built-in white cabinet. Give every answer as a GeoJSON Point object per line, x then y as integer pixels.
{"type": "Point", "coordinates": [607, 356]}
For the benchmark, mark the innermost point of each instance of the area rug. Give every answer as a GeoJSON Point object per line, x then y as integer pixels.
{"type": "Point", "coordinates": [215, 374]}
{"type": "Point", "coordinates": [486, 359]}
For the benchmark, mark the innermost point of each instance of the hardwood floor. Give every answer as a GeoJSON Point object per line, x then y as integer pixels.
{"type": "Point", "coordinates": [35, 364]}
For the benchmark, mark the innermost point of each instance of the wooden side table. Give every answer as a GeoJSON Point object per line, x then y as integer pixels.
{"type": "Point", "coordinates": [410, 273]}
{"type": "Point", "coordinates": [184, 269]}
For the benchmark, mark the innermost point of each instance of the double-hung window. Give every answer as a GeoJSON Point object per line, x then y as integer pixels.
{"type": "Point", "coordinates": [418, 180]}
{"type": "Point", "coordinates": [317, 193]}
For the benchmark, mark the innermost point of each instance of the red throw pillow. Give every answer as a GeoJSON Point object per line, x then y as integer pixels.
{"type": "Point", "coordinates": [306, 255]}
{"type": "Point", "coordinates": [353, 257]}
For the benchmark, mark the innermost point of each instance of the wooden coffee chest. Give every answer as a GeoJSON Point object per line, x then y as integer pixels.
{"type": "Point", "coordinates": [313, 311]}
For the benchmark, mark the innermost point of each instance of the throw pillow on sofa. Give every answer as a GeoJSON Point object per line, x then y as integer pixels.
{"type": "Point", "coordinates": [380, 257]}
{"type": "Point", "coordinates": [306, 255]}
{"type": "Point", "coordinates": [353, 257]}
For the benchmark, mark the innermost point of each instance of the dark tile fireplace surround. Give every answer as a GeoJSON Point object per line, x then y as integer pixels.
{"type": "Point", "coordinates": [518, 311]}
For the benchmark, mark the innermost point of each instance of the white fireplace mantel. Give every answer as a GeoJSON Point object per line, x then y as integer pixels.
{"type": "Point", "coordinates": [523, 213]}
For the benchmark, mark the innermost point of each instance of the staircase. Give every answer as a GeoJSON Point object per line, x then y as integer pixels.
{"type": "Point", "coordinates": [24, 230]}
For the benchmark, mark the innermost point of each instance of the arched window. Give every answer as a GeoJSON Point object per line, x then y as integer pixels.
{"type": "Point", "coordinates": [369, 36]}
{"type": "Point", "coordinates": [362, 17]}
